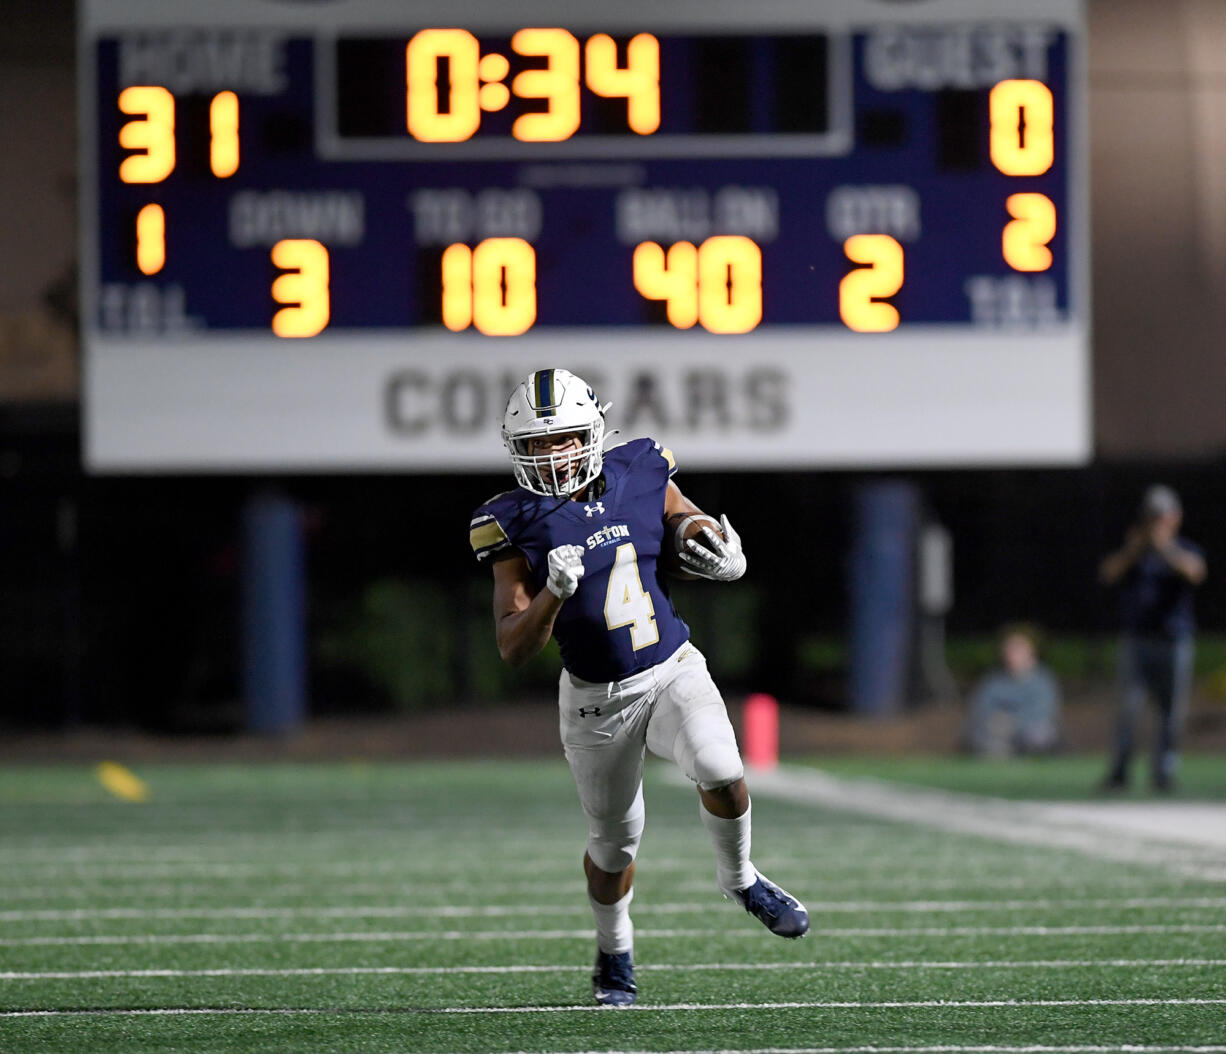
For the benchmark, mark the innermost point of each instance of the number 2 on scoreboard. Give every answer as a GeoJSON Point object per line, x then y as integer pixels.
{"type": "Point", "coordinates": [1026, 236]}
{"type": "Point", "coordinates": [862, 290]}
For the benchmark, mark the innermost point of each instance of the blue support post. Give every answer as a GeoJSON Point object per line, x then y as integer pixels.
{"type": "Point", "coordinates": [882, 595]}
{"type": "Point", "coordinates": [274, 622]}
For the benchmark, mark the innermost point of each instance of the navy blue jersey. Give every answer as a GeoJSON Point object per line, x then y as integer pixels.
{"type": "Point", "coordinates": [620, 620]}
{"type": "Point", "coordinates": [1156, 600]}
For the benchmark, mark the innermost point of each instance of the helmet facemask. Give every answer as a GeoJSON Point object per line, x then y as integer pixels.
{"type": "Point", "coordinates": [559, 473]}
{"type": "Point", "coordinates": [554, 403]}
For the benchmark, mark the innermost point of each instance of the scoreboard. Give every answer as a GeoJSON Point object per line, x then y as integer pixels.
{"type": "Point", "coordinates": [327, 235]}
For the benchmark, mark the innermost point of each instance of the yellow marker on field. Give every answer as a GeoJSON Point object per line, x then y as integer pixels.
{"type": "Point", "coordinates": [122, 782]}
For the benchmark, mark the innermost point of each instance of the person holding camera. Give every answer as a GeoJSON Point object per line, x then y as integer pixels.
{"type": "Point", "coordinates": [1157, 571]}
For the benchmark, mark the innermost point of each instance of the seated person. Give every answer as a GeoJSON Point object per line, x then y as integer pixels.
{"type": "Point", "coordinates": [1015, 709]}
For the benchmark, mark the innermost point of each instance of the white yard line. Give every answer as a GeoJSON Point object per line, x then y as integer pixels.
{"type": "Point", "coordinates": [418, 971]}
{"type": "Point", "coordinates": [401, 852]}
{"type": "Point", "coordinates": [377, 936]}
{"type": "Point", "coordinates": [329, 938]}
{"type": "Point", "coordinates": [834, 859]}
{"type": "Point", "coordinates": [1105, 831]}
{"type": "Point", "coordinates": [825, 862]}
{"type": "Point", "coordinates": [850, 1004]}
{"type": "Point", "coordinates": [136, 888]}
{"type": "Point", "coordinates": [640, 1008]}
{"type": "Point", "coordinates": [401, 858]}
{"type": "Point", "coordinates": [1119, 1048]}
{"type": "Point", "coordinates": [261, 891]}
{"type": "Point", "coordinates": [478, 911]}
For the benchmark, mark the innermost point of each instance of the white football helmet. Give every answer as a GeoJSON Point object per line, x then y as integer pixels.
{"type": "Point", "coordinates": [547, 403]}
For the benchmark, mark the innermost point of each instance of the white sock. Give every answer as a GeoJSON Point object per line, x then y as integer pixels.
{"type": "Point", "coordinates": [731, 837]}
{"type": "Point", "coordinates": [614, 930]}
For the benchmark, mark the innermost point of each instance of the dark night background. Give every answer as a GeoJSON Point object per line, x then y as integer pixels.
{"type": "Point", "coordinates": [119, 596]}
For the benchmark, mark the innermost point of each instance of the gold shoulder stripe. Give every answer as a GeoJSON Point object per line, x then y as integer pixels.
{"type": "Point", "coordinates": [486, 535]}
{"type": "Point", "coordinates": [668, 456]}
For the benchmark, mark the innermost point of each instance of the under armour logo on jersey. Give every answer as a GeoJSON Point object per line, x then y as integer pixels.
{"type": "Point", "coordinates": [589, 711]}
{"type": "Point", "coordinates": [591, 510]}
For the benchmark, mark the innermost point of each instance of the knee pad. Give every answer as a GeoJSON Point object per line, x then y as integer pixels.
{"type": "Point", "coordinates": [716, 764]}
{"type": "Point", "coordinates": [692, 727]}
{"type": "Point", "coordinates": [613, 844]}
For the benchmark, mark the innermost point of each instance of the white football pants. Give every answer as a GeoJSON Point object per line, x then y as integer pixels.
{"type": "Point", "coordinates": [672, 709]}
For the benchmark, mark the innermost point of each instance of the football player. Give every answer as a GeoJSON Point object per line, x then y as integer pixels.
{"type": "Point", "coordinates": [576, 552]}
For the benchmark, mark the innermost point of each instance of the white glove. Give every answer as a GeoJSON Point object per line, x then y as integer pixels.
{"type": "Point", "coordinates": [565, 570]}
{"type": "Point", "coordinates": [724, 561]}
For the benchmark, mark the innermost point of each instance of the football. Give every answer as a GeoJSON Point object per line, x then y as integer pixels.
{"type": "Point", "coordinates": [679, 528]}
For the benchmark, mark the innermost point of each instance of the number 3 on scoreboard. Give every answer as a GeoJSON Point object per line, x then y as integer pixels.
{"type": "Point", "coordinates": [304, 289]}
{"type": "Point", "coordinates": [627, 603]}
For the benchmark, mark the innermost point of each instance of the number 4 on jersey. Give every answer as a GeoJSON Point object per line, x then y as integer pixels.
{"type": "Point", "coordinates": [627, 603]}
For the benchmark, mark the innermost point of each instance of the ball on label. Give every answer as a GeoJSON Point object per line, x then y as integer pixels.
{"type": "Point", "coordinates": [680, 528]}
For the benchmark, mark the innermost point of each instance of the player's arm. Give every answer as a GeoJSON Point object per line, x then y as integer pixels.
{"type": "Point", "coordinates": [724, 559]}
{"type": "Point", "coordinates": [523, 619]}
{"type": "Point", "coordinates": [1115, 565]}
{"type": "Point", "coordinates": [675, 502]}
{"type": "Point", "coordinates": [1183, 562]}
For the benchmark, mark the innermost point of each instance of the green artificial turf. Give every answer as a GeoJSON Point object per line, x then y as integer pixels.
{"type": "Point", "coordinates": [440, 907]}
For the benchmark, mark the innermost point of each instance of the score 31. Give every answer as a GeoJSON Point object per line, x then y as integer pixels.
{"type": "Point", "coordinates": [154, 137]}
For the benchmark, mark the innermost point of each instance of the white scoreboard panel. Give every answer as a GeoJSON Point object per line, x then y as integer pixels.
{"type": "Point", "coordinates": [331, 236]}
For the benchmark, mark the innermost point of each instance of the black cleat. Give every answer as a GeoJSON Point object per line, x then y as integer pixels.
{"type": "Point", "coordinates": [613, 979]}
{"type": "Point", "coordinates": [775, 908]}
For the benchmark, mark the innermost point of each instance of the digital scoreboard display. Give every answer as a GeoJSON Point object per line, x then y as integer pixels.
{"type": "Point", "coordinates": [332, 234]}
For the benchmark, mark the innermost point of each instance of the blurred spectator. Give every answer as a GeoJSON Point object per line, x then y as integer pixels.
{"type": "Point", "coordinates": [1156, 570]}
{"type": "Point", "coordinates": [1015, 709]}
